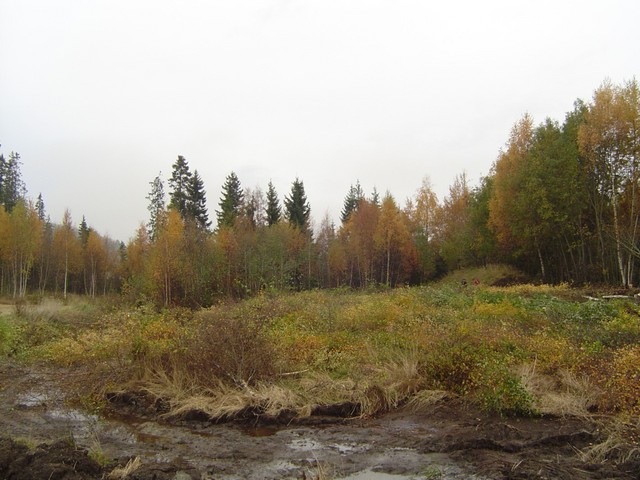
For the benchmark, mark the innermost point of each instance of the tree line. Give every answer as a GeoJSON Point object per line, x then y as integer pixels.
{"type": "Point", "coordinates": [39, 256]}
{"type": "Point", "coordinates": [561, 202]}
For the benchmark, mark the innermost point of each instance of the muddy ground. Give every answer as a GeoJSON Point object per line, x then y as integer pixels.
{"type": "Point", "coordinates": [41, 436]}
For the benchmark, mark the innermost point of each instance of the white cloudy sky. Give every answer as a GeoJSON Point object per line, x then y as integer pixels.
{"type": "Point", "coordinates": [99, 96]}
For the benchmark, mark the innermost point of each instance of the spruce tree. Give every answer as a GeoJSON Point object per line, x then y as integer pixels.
{"type": "Point", "coordinates": [296, 206]}
{"type": "Point", "coordinates": [12, 187]}
{"type": "Point", "coordinates": [83, 231]}
{"type": "Point", "coordinates": [351, 201]}
{"type": "Point", "coordinates": [273, 211]}
{"type": "Point", "coordinates": [375, 197]}
{"type": "Point", "coordinates": [156, 207]}
{"type": "Point", "coordinates": [179, 183]}
{"type": "Point", "coordinates": [197, 202]}
{"type": "Point", "coordinates": [40, 208]}
{"type": "Point", "coordinates": [230, 202]}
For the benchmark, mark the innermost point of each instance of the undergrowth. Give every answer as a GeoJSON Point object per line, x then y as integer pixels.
{"type": "Point", "coordinates": [514, 350]}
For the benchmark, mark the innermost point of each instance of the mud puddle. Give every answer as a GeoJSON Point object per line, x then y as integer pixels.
{"type": "Point", "coordinates": [449, 443]}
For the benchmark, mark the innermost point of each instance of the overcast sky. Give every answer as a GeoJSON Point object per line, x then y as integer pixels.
{"type": "Point", "coordinates": [99, 96]}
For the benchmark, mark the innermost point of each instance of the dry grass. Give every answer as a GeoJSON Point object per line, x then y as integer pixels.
{"type": "Point", "coordinates": [391, 386]}
{"type": "Point", "coordinates": [319, 471]}
{"type": "Point", "coordinates": [426, 400]}
{"type": "Point", "coordinates": [220, 400]}
{"type": "Point", "coordinates": [621, 445]}
{"type": "Point", "coordinates": [122, 473]}
{"type": "Point", "coordinates": [564, 395]}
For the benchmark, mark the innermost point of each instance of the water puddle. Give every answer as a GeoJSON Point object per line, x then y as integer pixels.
{"type": "Point", "coordinates": [260, 431]}
{"type": "Point", "coordinates": [376, 452]}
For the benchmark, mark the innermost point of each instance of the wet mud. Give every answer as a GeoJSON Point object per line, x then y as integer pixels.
{"type": "Point", "coordinates": [41, 436]}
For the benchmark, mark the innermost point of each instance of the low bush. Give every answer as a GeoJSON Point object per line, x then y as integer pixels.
{"type": "Point", "coordinates": [230, 350]}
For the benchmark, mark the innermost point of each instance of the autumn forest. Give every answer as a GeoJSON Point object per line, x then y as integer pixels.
{"type": "Point", "coordinates": [561, 203]}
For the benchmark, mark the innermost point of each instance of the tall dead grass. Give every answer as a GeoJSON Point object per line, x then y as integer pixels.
{"type": "Point", "coordinates": [621, 445]}
{"type": "Point", "coordinates": [566, 394]}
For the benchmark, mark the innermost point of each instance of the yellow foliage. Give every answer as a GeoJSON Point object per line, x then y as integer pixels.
{"type": "Point", "coordinates": [624, 379]}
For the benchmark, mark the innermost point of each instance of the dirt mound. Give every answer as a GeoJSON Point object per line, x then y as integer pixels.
{"type": "Point", "coordinates": [522, 448]}
{"type": "Point", "coordinates": [61, 460]}
{"type": "Point", "coordinates": [138, 403]}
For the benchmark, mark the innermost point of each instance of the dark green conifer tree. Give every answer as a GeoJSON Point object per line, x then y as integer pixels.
{"type": "Point", "coordinates": [12, 187]}
{"type": "Point", "coordinates": [156, 207]}
{"type": "Point", "coordinates": [83, 231]}
{"type": "Point", "coordinates": [375, 197]}
{"type": "Point", "coordinates": [40, 208]}
{"type": "Point", "coordinates": [297, 207]}
{"type": "Point", "coordinates": [230, 202]}
{"type": "Point", "coordinates": [351, 201]}
{"type": "Point", "coordinates": [197, 202]}
{"type": "Point", "coordinates": [273, 211]}
{"type": "Point", "coordinates": [179, 183]}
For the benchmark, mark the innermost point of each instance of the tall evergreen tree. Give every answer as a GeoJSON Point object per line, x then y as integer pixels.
{"type": "Point", "coordinates": [297, 207]}
{"type": "Point", "coordinates": [12, 187]}
{"type": "Point", "coordinates": [197, 202]}
{"type": "Point", "coordinates": [230, 202]}
{"type": "Point", "coordinates": [351, 201]}
{"type": "Point", "coordinates": [273, 210]}
{"type": "Point", "coordinates": [179, 183]}
{"type": "Point", "coordinates": [156, 207]}
{"type": "Point", "coordinates": [40, 208]}
{"type": "Point", "coordinates": [375, 197]}
{"type": "Point", "coordinates": [83, 231]}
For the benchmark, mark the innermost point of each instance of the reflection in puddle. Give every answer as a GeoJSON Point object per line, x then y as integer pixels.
{"type": "Point", "coordinates": [371, 475]}
{"type": "Point", "coordinates": [305, 444]}
{"type": "Point", "coordinates": [32, 400]}
{"type": "Point", "coordinates": [223, 451]}
{"type": "Point", "coordinates": [260, 431]}
{"type": "Point", "coordinates": [347, 448]}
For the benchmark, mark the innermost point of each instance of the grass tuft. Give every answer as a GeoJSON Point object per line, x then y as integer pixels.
{"type": "Point", "coordinates": [122, 473]}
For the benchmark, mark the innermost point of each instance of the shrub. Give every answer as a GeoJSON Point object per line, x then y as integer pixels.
{"type": "Point", "coordinates": [229, 350]}
{"type": "Point", "coordinates": [624, 380]}
{"type": "Point", "coordinates": [7, 335]}
{"type": "Point", "coordinates": [503, 392]}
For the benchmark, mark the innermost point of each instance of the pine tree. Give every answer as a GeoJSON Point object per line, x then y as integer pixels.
{"type": "Point", "coordinates": [156, 207]}
{"type": "Point", "coordinates": [351, 201]}
{"type": "Point", "coordinates": [197, 202]}
{"type": "Point", "coordinates": [297, 207]}
{"type": "Point", "coordinates": [273, 210]}
{"type": "Point", "coordinates": [179, 183]}
{"type": "Point", "coordinates": [230, 202]}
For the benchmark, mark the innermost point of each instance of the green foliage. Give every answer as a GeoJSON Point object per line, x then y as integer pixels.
{"type": "Point", "coordinates": [8, 335]}
{"type": "Point", "coordinates": [179, 184]}
{"type": "Point", "coordinates": [197, 204]}
{"type": "Point", "coordinates": [351, 201]}
{"type": "Point", "coordinates": [12, 188]}
{"type": "Point", "coordinates": [471, 341]}
{"type": "Point", "coordinates": [273, 210]}
{"type": "Point", "coordinates": [297, 207]}
{"type": "Point", "coordinates": [156, 207]}
{"type": "Point", "coordinates": [502, 391]}
{"type": "Point", "coordinates": [230, 202]}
